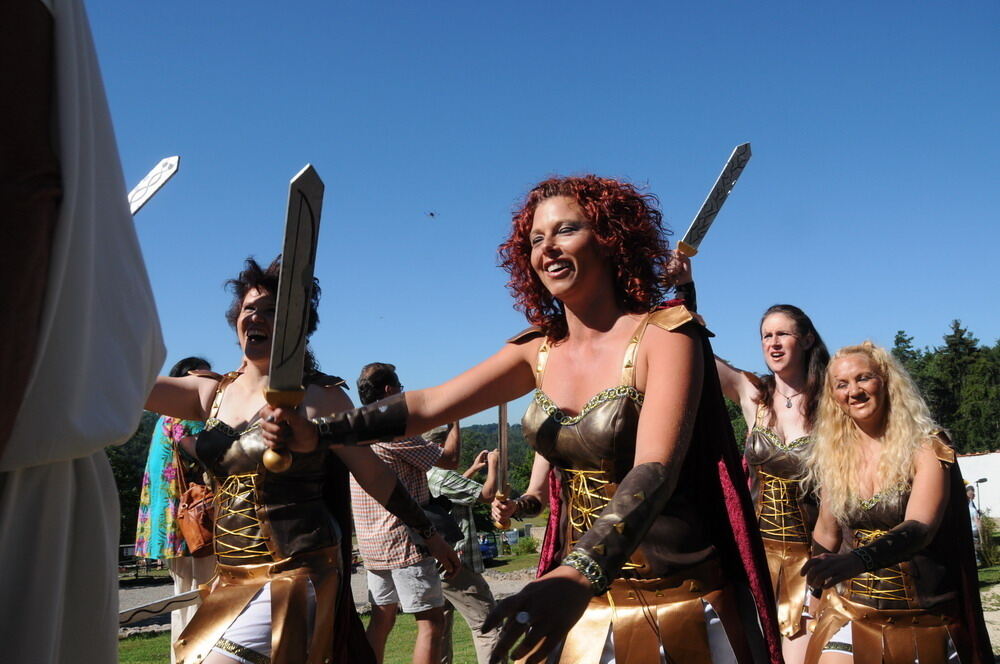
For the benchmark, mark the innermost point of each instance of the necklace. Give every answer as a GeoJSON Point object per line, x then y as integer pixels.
{"type": "Point", "coordinates": [788, 398]}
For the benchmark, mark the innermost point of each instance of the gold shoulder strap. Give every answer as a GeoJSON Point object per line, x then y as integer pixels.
{"type": "Point", "coordinates": [223, 384]}
{"type": "Point", "coordinates": [632, 352]}
{"type": "Point", "coordinates": [760, 414]}
{"type": "Point", "coordinates": [540, 362]}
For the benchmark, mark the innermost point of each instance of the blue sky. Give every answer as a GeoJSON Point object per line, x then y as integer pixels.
{"type": "Point", "coordinates": [871, 200]}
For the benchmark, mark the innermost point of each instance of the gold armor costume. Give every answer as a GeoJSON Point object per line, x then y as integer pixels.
{"type": "Point", "coordinates": [900, 614]}
{"type": "Point", "coordinates": [658, 599]}
{"type": "Point", "coordinates": [269, 528]}
{"type": "Point", "coordinates": [784, 514]}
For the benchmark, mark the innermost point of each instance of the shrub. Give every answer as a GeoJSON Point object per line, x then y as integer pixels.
{"type": "Point", "coordinates": [525, 545]}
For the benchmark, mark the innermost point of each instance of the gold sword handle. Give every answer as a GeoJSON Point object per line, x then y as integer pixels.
{"type": "Point", "coordinates": [279, 459]}
{"type": "Point", "coordinates": [503, 524]}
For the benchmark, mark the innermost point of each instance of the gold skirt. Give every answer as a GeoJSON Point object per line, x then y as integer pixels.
{"type": "Point", "coordinates": [883, 636]}
{"type": "Point", "coordinates": [234, 586]}
{"type": "Point", "coordinates": [647, 614]}
{"type": "Point", "coordinates": [784, 562]}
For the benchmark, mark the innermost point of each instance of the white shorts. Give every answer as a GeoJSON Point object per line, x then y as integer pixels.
{"type": "Point", "coordinates": [248, 638]}
{"type": "Point", "coordinates": [415, 588]}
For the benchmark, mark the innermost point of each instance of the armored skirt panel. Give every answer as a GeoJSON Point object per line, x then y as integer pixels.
{"type": "Point", "coordinates": [785, 514]}
{"type": "Point", "coordinates": [902, 613]}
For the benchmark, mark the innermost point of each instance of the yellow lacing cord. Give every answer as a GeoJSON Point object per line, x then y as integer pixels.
{"type": "Point", "coordinates": [886, 585]}
{"type": "Point", "coordinates": [240, 488]}
{"type": "Point", "coordinates": [586, 501]}
{"type": "Point", "coordinates": [779, 508]}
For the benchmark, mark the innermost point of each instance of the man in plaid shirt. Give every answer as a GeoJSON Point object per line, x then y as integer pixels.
{"type": "Point", "coordinates": [400, 572]}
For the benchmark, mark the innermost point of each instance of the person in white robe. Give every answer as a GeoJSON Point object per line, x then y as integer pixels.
{"type": "Point", "coordinates": [81, 342]}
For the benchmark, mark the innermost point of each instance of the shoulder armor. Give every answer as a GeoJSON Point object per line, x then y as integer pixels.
{"type": "Point", "coordinates": [325, 380]}
{"type": "Point", "coordinates": [205, 373]}
{"type": "Point", "coordinates": [942, 447]}
{"type": "Point", "coordinates": [676, 316]}
{"type": "Point", "coordinates": [526, 335]}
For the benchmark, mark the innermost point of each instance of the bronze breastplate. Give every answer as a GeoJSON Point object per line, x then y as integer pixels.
{"type": "Point", "coordinates": [592, 452]}
{"type": "Point", "coordinates": [262, 516]}
{"type": "Point", "coordinates": [783, 511]}
{"type": "Point", "coordinates": [920, 582]}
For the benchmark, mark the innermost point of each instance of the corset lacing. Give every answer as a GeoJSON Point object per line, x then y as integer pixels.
{"type": "Point", "coordinates": [586, 501]}
{"type": "Point", "coordinates": [780, 517]}
{"type": "Point", "coordinates": [239, 490]}
{"type": "Point", "coordinates": [883, 584]}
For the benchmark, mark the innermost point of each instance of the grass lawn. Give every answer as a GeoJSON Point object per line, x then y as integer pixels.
{"type": "Point", "coordinates": [144, 649]}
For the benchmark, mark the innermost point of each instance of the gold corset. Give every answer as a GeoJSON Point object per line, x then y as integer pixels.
{"type": "Point", "coordinates": [780, 516]}
{"type": "Point", "coordinates": [589, 493]}
{"type": "Point", "coordinates": [882, 584]}
{"type": "Point", "coordinates": [237, 527]}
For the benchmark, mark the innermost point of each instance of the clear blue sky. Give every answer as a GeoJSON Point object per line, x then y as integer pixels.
{"type": "Point", "coordinates": [871, 200]}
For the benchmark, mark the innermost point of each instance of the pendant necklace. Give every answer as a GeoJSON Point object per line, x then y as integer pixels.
{"type": "Point", "coordinates": [788, 399]}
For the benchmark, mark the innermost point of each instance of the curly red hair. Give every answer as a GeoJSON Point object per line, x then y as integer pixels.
{"type": "Point", "coordinates": [628, 226]}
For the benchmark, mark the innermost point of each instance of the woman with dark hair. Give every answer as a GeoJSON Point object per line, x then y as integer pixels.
{"type": "Point", "coordinates": [780, 412]}
{"type": "Point", "coordinates": [651, 548]}
{"type": "Point", "coordinates": [279, 594]}
{"type": "Point", "coordinates": [157, 533]}
{"type": "Point", "coordinates": [893, 543]}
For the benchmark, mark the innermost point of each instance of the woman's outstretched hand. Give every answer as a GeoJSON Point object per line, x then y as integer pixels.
{"type": "Point", "coordinates": [829, 569]}
{"type": "Point", "coordinates": [286, 427]}
{"type": "Point", "coordinates": [679, 269]}
{"type": "Point", "coordinates": [502, 510]}
{"type": "Point", "coordinates": [543, 613]}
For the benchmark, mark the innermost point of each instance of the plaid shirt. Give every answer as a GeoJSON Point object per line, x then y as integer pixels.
{"type": "Point", "coordinates": [463, 494]}
{"type": "Point", "coordinates": [384, 540]}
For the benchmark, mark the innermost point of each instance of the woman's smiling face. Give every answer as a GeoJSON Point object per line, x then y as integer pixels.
{"type": "Point", "coordinates": [565, 253]}
{"type": "Point", "coordinates": [255, 324]}
{"type": "Point", "coordinates": [859, 389]}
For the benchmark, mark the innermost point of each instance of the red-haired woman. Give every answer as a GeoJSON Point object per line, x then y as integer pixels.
{"type": "Point", "coordinates": [651, 548]}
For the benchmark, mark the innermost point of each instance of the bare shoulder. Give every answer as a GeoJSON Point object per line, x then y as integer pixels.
{"type": "Point", "coordinates": [326, 399]}
{"type": "Point", "coordinates": [685, 339]}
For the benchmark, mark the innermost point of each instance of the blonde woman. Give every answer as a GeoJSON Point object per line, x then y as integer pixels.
{"type": "Point", "coordinates": [892, 545]}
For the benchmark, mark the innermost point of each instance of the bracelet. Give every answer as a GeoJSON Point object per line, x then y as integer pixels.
{"type": "Point", "coordinates": [866, 558]}
{"type": "Point", "coordinates": [591, 571]}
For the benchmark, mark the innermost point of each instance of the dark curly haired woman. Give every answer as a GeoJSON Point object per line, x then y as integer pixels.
{"type": "Point", "coordinates": [651, 553]}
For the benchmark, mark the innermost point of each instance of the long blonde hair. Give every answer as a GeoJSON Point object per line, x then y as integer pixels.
{"type": "Point", "coordinates": [835, 459]}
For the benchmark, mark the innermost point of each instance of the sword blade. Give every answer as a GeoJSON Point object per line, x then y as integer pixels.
{"type": "Point", "coordinates": [291, 318]}
{"type": "Point", "coordinates": [154, 180]}
{"type": "Point", "coordinates": [160, 606]}
{"type": "Point", "coordinates": [503, 469]}
{"type": "Point", "coordinates": [713, 202]}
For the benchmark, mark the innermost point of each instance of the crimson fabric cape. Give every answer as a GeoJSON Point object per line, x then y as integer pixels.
{"type": "Point", "coordinates": [954, 542]}
{"type": "Point", "coordinates": [728, 511]}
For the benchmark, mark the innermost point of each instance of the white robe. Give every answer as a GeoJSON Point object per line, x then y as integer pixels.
{"type": "Point", "coordinates": [99, 350]}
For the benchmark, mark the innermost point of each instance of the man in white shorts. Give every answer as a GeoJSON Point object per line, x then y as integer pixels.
{"type": "Point", "coordinates": [401, 574]}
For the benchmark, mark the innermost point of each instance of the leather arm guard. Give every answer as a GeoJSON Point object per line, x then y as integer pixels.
{"type": "Point", "coordinates": [687, 293]}
{"type": "Point", "coordinates": [402, 505]}
{"type": "Point", "coordinates": [382, 420]}
{"type": "Point", "coordinates": [895, 546]}
{"type": "Point", "coordinates": [527, 506]}
{"type": "Point", "coordinates": [639, 499]}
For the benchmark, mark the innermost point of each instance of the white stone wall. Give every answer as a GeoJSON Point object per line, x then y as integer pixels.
{"type": "Point", "coordinates": [976, 466]}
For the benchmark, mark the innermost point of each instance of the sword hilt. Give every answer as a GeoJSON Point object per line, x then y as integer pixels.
{"type": "Point", "coordinates": [686, 249]}
{"type": "Point", "coordinates": [502, 524]}
{"type": "Point", "coordinates": [279, 459]}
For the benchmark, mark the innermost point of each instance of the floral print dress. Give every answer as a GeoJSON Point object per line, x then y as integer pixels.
{"type": "Point", "coordinates": [157, 534]}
